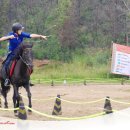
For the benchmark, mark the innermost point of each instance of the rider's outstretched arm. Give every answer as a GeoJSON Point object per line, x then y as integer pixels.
{"type": "Point", "coordinates": [6, 38]}
{"type": "Point", "coordinates": [38, 36]}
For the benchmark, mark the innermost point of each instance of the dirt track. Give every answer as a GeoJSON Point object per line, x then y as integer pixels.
{"type": "Point", "coordinates": [73, 93]}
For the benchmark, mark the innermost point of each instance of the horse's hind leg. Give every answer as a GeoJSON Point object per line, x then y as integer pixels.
{"type": "Point", "coordinates": [4, 92]}
{"type": "Point", "coordinates": [27, 87]}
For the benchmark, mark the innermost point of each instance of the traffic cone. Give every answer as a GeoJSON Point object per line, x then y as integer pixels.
{"type": "Point", "coordinates": [22, 111]}
{"type": "Point", "coordinates": [107, 106]}
{"type": "Point", "coordinates": [57, 106]}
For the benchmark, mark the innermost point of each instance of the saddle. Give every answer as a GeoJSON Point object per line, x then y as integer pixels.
{"type": "Point", "coordinates": [10, 69]}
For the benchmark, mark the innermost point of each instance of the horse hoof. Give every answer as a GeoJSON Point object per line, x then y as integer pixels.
{"type": "Point", "coordinates": [29, 112]}
{"type": "Point", "coordinates": [15, 114]}
{"type": "Point", "coordinates": [6, 107]}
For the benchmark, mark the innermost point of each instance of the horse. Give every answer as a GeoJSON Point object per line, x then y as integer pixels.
{"type": "Point", "coordinates": [20, 77]}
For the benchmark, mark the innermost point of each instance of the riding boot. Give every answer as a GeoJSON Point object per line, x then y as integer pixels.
{"type": "Point", "coordinates": [7, 81]}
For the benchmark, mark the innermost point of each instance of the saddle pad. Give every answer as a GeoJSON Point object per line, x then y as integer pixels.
{"type": "Point", "coordinates": [12, 68]}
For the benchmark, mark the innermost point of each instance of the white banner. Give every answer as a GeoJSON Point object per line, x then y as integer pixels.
{"type": "Point", "coordinates": [120, 60]}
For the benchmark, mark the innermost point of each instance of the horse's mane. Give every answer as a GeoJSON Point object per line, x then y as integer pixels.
{"type": "Point", "coordinates": [25, 45]}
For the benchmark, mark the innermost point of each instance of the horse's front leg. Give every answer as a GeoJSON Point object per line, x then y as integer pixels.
{"type": "Point", "coordinates": [16, 99]}
{"type": "Point", "coordinates": [27, 87]}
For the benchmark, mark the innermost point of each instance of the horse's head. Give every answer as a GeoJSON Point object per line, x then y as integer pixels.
{"type": "Point", "coordinates": [27, 55]}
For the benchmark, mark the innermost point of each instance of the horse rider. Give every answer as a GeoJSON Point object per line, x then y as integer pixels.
{"type": "Point", "coordinates": [15, 38]}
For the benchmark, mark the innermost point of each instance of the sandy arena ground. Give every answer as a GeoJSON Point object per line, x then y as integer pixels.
{"type": "Point", "coordinates": [73, 93]}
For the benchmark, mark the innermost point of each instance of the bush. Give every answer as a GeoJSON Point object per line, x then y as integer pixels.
{"type": "Point", "coordinates": [48, 49]}
{"type": "Point", "coordinates": [102, 56]}
{"type": "Point", "coordinates": [3, 52]}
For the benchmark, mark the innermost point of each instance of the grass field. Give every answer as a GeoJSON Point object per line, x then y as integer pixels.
{"type": "Point", "coordinates": [93, 66]}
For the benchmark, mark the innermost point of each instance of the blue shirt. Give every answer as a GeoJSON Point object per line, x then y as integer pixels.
{"type": "Point", "coordinates": [15, 42]}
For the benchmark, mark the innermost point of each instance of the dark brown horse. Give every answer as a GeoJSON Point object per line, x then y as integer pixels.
{"type": "Point", "coordinates": [20, 77]}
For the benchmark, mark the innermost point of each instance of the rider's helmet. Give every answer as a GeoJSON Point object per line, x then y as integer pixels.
{"type": "Point", "coordinates": [16, 27]}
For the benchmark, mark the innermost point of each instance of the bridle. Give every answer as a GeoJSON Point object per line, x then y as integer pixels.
{"type": "Point", "coordinates": [27, 64]}
{"type": "Point", "coordinates": [30, 70]}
